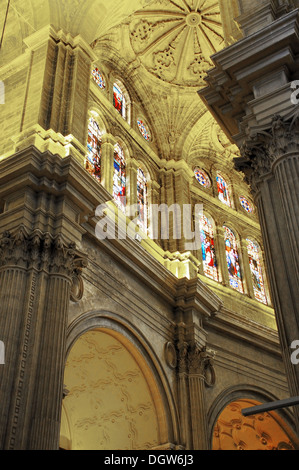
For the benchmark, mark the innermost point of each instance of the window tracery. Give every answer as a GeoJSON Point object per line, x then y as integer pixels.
{"type": "Point", "coordinates": [98, 78]}
{"type": "Point", "coordinates": [143, 128]}
{"type": "Point", "coordinates": [202, 178]}
{"type": "Point", "coordinates": [246, 205]}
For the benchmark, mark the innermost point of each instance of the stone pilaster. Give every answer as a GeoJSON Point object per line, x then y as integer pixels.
{"type": "Point", "coordinates": [36, 272]}
{"type": "Point", "coordinates": [199, 362]}
{"type": "Point", "coordinates": [131, 169]}
{"type": "Point", "coordinates": [175, 194]}
{"type": "Point", "coordinates": [195, 366]}
{"type": "Point", "coordinates": [247, 278]}
{"type": "Point", "coordinates": [54, 111]}
{"type": "Point", "coordinates": [221, 256]}
{"type": "Point", "coordinates": [107, 162]}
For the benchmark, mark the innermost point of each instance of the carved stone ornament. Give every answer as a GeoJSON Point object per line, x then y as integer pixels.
{"type": "Point", "coordinates": [263, 148]}
{"type": "Point", "coordinates": [41, 252]}
{"type": "Point", "coordinates": [170, 355]}
{"type": "Point", "coordinates": [175, 40]}
{"type": "Point", "coordinates": [197, 361]}
{"type": "Point", "coordinates": [77, 287]}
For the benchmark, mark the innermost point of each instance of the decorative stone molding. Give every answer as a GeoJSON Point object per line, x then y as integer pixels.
{"type": "Point", "coordinates": [170, 354]}
{"type": "Point", "coordinates": [262, 149]}
{"type": "Point", "coordinates": [41, 252]}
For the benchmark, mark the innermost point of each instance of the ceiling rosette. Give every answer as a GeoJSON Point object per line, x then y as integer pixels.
{"type": "Point", "coordinates": [175, 39]}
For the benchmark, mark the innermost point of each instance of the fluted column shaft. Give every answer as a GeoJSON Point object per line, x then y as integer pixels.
{"type": "Point", "coordinates": [36, 278]}
{"type": "Point", "coordinates": [270, 161]}
{"type": "Point", "coordinates": [193, 363]}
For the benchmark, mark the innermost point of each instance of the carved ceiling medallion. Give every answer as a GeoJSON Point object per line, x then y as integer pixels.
{"type": "Point", "coordinates": [175, 40]}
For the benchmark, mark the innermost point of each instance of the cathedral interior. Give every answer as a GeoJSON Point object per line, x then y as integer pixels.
{"type": "Point", "coordinates": [124, 329]}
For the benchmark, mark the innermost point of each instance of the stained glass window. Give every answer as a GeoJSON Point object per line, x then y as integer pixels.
{"type": "Point", "coordinates": [142, 199]}
{"type": "Point", "coordinates": [202, 178]}
{"type": "Point", "coordinates": [256, 271]}
{"type": "Point", "coordinates": [232, 258]}
{"type": "Point", "coordinates": [208, 248]}
{"type": "Point", "coordinates": [93, 160]}
{"type": "Point", "coordinates": [246, 205]}
{"type": "Point", "coordinates": [119, 100]}
{"type": "Point", "coordinates": [98, 78]}
{"type": "Point", "coordinates": [143, 129]}
{"type": "Point", "coordinates": [223, 191]}
{"type": "Point", "coordinates": [119, 177]}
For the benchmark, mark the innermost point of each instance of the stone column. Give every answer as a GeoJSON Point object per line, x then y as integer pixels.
{"type": "Point", "coordinates": [270, 161]}
{"type": "Point", "coordinates": [36, 272]}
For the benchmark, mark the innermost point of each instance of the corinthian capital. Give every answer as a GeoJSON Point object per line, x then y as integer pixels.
{"type": "Point", "coordinates": [261, 149]}
{"type": "Point", "coordinates": [40, 251]}
{"type": "Point", "coordinates": [196, 361]}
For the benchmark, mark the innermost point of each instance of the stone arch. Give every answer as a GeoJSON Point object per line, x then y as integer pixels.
{"type": "Point", "coordinates": [141, 390]}
{"type": "Point", "coordinates": [227, 407]}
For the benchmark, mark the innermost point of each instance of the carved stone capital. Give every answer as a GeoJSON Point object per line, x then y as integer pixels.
{"type": "Point", "coordinates": [41, 252]}
{"type": "Point", "coordinates": [263, 148]}
{"type": "Point", "coordinates": [197, 361]}
{"type": "Point", "coordinates": [201, 362]}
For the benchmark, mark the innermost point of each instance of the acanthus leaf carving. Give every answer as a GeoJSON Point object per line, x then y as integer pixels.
{"type": "Point", "coordinates": [41, 252]}
{"type": "Point", "coordinates": [261, 149]}
{"type": "Point", "coordinates": [196, 361]}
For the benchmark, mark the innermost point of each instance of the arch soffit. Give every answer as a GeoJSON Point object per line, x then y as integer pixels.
{"type": "Point", "coordinates": [249, 392]}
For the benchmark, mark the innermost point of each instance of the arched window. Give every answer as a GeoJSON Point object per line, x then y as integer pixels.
{"type": "Point", "coordinates": [119, 177]}
{"type": "Point", "coordinates": [208, 248]}
{"type": "Point", "coordinates": [142, 202]}
{"type": "Point", "coordinates": [94, 142]}
{"type": "Point", "coordinates": [232, 258]}
{"type": "Point", "coordinates": [246, 205]}
{"type": "Point", "coordinates": [202, 178]}
{"type": "Point", "coordinates": [121, 100]}
{"type": "Point", "coordinates": [223, 191]}
{"type": "Point", "coordinates": [143, 128]}
{"type": "Point", "coordinates": [98, 78]}
{"type": "Point", "coordinates": [256, 271]}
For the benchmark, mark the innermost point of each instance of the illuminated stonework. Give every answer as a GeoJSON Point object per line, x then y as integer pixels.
{"type": "Point", "coordinates": [174, 41]}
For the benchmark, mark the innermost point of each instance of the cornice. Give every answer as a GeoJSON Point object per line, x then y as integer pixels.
{"type": "Point", "coordinates": [238, 68]}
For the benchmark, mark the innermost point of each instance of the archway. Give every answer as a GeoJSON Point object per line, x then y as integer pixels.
{"type": "Point", "coordinates": [265, 431]}
{"type": "Point", "coordinates": [112, 401]}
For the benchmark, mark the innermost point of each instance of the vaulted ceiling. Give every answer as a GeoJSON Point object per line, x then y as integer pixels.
{"type": "Point", "coordinates": [163, 47]}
